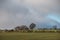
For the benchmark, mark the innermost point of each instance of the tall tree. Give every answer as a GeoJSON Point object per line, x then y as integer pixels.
{"type": "Point", "coordinates": [32, 26]}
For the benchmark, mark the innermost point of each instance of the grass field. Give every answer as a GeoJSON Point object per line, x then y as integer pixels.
{"type": "Point", "coordinates": [29, 36]}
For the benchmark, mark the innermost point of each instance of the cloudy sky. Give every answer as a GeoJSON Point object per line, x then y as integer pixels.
{"type": "Point", "coordinates": [23, 12]}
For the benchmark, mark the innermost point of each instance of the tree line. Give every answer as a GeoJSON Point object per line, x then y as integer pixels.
{"type": "Point", "coordinates": [24, 28]}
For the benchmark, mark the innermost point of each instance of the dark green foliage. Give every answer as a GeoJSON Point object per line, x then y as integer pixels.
{"type": "Point", "coordinates": [32, 26]}
{"type": "Point", "coordinates": [23, 27]}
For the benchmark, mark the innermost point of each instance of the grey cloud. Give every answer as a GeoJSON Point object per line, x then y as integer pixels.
{"type": "Point", "coordinates": [27, 11]}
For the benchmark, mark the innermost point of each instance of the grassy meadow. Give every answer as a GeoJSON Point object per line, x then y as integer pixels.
{"type": "Point", "coordinates": [29, 36]}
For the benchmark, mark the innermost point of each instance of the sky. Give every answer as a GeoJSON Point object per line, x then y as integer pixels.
{"type": "Point", "coordinates": [24, 12]}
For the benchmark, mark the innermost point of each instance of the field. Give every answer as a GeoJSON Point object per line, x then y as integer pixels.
{"type": "Point", "coordinates": [29, 36]}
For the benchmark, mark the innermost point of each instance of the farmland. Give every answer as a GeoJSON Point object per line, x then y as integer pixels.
{"type": "Point", "coordinates": [29, 36]}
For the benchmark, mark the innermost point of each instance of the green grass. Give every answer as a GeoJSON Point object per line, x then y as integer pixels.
{"type": "Point", "coordinates": [29, 36]}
